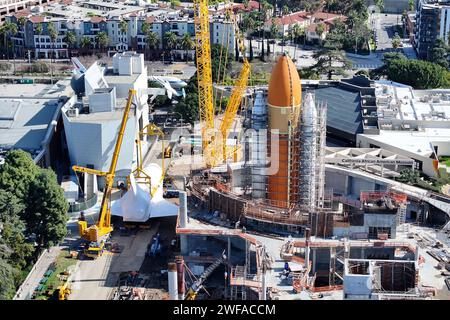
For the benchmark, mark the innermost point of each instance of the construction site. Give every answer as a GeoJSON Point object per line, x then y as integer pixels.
{"type": "Point", "coordinates": [244, 205]}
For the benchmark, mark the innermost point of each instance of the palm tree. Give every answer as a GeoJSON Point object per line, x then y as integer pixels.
{"type": "Point", "coordinates": [70, 39]}
{"type": "Point", "coordinates": [187, 44]}
{"type": "Point", "coordinates": [13, 31]}
{"type": "Point", "coordinates": [38, 31]}
{"type": "Point", "coordinates": [248, 27]}
{"type": "Point", "coordinates": [102, 39]}
{"type": "Point", "coordinates": [320, 29]}
{"type": "Point", "coordinates": [170, 41]}
{"type": "Point", "coordinates": [85, 42]}
{"type": "Point", "coordinates": [274, 33]}
{"type": "Point", "coordinates": [22, 22]}
{"type": "Point", "coordinates": [8, 29]}
{"type": "Point", "coordinates": [123, 27]}
{"type": "Point", "coordinates": [153, 41]}
{"type": "Point", "coordinates": [53, 33]}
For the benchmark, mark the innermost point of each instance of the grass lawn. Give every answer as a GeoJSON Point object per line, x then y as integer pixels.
{"type": "Point", "coordinates": [62, 263]}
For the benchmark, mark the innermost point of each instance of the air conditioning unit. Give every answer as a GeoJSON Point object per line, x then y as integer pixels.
{"type": "Point", "coordinates": [72, 112]}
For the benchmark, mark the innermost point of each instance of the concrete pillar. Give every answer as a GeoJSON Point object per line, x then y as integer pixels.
{"type": "Point", "coordinates": [180, 272]}
{"type": "Point", "coordinates": [183, 209]}
{"type": "Point", "coordinates": [264, 286]}
{"type": "Point", "coordinates": [184, 248]}
{"type": "Point", "coordinates": [308, 238]}
{"type": "Point", "coordinates": [173, 281]}
{"type": "Point", "coordinates": [314, 261]}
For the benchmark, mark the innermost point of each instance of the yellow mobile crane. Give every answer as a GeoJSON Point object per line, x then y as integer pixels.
{"type": "Point", "coordinates": [64, 291]}
{"type": "Point", "coordinates": [95, 232]}
{"type": "Point", "coordinates": [204, 78]}
{"type": "Point", "coordinates": [236, 97]}
{"type": "Point", "coordinates": [205, 92]}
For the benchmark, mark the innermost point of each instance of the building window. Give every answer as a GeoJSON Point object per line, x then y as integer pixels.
{"type": "Point", "coordinates": [374, 232]}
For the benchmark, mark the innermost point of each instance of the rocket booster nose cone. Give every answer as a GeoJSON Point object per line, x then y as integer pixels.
{"type": "Point", "coordinates": [309, 113]}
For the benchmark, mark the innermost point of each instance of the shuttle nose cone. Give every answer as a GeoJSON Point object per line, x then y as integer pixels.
{"type": "Point", "coordinates": [285, 89]}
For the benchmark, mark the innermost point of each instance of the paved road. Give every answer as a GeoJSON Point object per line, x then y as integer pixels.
{"type": "Point", "coordinates": [385, 28]}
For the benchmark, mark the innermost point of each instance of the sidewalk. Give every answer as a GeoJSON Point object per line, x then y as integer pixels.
{"type": "Point", "coordinates": [36, 274]}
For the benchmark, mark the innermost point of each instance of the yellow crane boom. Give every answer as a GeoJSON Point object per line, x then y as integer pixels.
{"type": "Point", "coordinates": [103, 226]}
{"type": "Point", "coordinates": [150, 130]}
{"type": "Point", "coordinates": [236, 95]}
{"type": "Point", "coordinates": [204, 79]}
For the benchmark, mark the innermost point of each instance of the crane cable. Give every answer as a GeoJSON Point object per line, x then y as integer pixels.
{"type": "Point", "coordinates": [226, 60]}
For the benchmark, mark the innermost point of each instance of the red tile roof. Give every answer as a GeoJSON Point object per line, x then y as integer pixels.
{"type": "Point", "coordinates": [291, 18]}
{"type": "Point", "coordinates": [22, 13]}
{"type": "Point", "coordinates": [150, 19]}
{"type": "Point", "coordinates": [97, 19]}
{"type": "Point", "coordinates": [252, 5]}
{"type": "Point", "coordinates": [325, 16]}
{"type": "Point", "coordinates": [37, 19]}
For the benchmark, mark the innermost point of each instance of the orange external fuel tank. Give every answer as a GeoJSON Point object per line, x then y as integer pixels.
{"type": "Point", "coordinates": [284, 100]}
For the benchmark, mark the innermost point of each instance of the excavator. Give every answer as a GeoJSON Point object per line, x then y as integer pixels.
{"type": "Point", "coordinates": [198, 284]}
{"type": "Point", "coordinates": [96, 233]}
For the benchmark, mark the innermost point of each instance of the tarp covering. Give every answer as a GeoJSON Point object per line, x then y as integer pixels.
{"type": "Point", "coordinates": [137, 205]}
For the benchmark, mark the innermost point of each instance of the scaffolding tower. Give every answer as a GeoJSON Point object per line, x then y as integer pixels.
{"type": "Point", "coordinates": [239, 292]}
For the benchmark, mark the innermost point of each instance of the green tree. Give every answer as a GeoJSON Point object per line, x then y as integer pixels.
{"type": "Point", "coordinates": [416, 73]}
{"type": "Point", "coordinates": [274, 32]}
{"type": "Point", "coordinates": [187, 44]}
{"type": "Point", "coordinates": [102, 40]}
{"type": "Point", "coordinates": [71, 40]}
{"type": "Point", "coordinates": [13, 229]}
{"type": "Point", "coordinates": [175, 3]}
{"type": "Point", "coordinates": [411, 5]}
{"type": "Point", "coordinates": [17, 173]}
{"type": "Point", "coordinates": [396, 42]}
{"type": "Point", "coordinates": [330, 62]}
{"type": "Point", "coordinates": [409, 176]}
{"type": "Point", "coordinates": [439, 53]}
{"type": "Point", "coordinates": [380, 5]}
{"type": "Point", "coordinates": [188, 107]}
{"type": "Point", "coordinates": [7, 275]}
{"type": "Point", "coordinates": [46, 212]}
{"type": "Point", "coordinates": [248, 26]}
